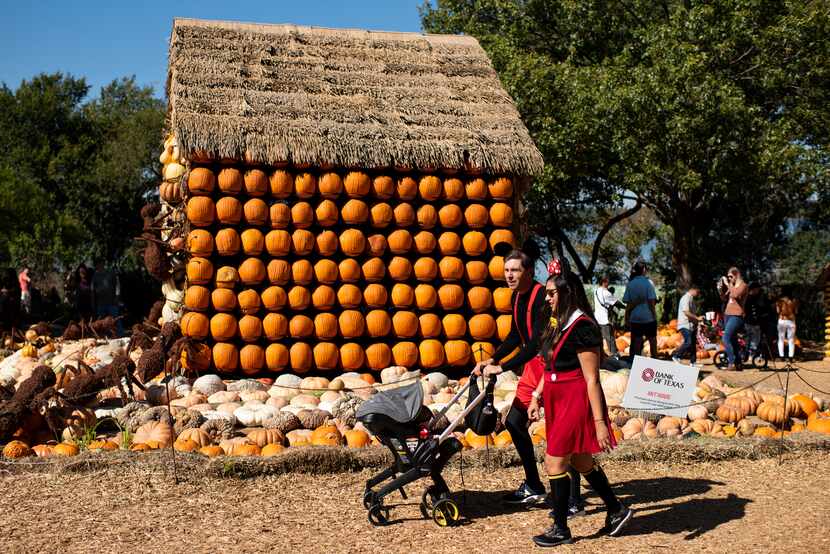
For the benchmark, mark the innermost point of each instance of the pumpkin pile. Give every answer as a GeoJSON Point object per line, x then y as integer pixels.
{"type": "Point", "coordinates": [668, 340]}
{"type": "Point", "coordinates": [301, 269]}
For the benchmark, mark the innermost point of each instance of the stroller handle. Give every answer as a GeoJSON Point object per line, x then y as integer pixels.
{"type": "Point", "coordinates": [470, 406]}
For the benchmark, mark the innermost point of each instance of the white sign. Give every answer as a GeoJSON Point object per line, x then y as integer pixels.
{"type": "Point", "coordinates": [660, 387]}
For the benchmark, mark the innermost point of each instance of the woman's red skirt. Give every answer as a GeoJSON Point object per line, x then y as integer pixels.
{"type": "Point", "coordinates": [569, 422]}
{"type": "Point", "coordinates": [533, 371]}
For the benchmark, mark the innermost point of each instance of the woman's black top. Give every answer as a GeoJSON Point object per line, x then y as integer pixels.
{"type": "Point", "coordinates": [518, 330]}
{"type": "Point", "coordinates": [583, 336]}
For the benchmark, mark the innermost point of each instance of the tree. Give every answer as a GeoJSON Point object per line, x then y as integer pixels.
{"type": "Point", "coordinates": [713, 114]}
{"type": "Point", "coordinates": [74, 173]}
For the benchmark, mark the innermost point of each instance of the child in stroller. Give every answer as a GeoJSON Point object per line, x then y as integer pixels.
{"type": "Point", "coordinates": [421, 443]}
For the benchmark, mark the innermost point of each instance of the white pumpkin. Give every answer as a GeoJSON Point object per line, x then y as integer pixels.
{"type": "Point", "coordinates": [438, 380]}
{"type": "Point", "coordinates": [223, 396]}
{"type": "Point", "coordinates": [277, 402]}
{"type": "Point", "coordinates": [305, 400]}
{"type": "Point", "coordinates": [209, 384]}
{"type": "Point", "coordinates": [254, 415]}
{"type": "Point", "coordinates": [259, 395]}
{"type": "Point", "coordinates": [228, 407]}
{"type": "Point", "coordinates": [392, 374]}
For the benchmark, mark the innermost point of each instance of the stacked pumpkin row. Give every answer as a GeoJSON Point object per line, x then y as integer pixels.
{"type": "Point", "coordinates": [344, 283]}
{"type": "Point", "coordinates": [827, 320]}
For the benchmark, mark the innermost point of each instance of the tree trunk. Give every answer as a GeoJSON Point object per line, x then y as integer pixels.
{"type": "Point", "coordinates": [682, 247]}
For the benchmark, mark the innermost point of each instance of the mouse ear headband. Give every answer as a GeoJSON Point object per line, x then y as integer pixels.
{"type": "Point", "coordinates": [557, 267]}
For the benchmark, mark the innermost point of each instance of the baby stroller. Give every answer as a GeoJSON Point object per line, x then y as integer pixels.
{"type": "Point", "coordinates": [422, 444]}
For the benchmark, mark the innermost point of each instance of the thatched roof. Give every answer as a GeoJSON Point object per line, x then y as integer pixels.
{"type": "Point", "coordinates": [277, 93]}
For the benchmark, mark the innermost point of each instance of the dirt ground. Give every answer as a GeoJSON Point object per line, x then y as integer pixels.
{"type": "Point", "coordinates": [807, 377]}
{"type": "Point", "coordinates": [737, 506]}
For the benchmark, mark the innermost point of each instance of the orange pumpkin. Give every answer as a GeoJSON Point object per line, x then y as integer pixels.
{"type": "Point", "coordinates": [326, 435]}
{"type": "Point", "coordinates": [197, 298]}
{"type": "Point", "coordinates": [330, 185]}
{"type": "Point", "coordinates": [323, 297]}
{"type": "Point", "coordinates": [325, 326]}
{"type": "Point", "coordinates": [275, 326]}
{"type": "Point", "coordinates": [503, 326]}
{"type": "Point", "coordinates": [225, 357]}
{"type": "Point", "coordinates": [400, 241]}
{"type": "Point", "coordinates": [400, 268]}
{"type": "Point", "coordinates": [375, 296]}
{"type": "Point", "coordinates": [357, 439]}
{"type": "Point", "coordinates": [270, 450]}
{"type": "Point", "coordinates": [195, 325]}
{"type": "Point", "coordinates": [278, 243]}
{"type": "Point", "coordinates": [501, 188]}
{"type": "Point", "coordinates": [201, 181]}
{"type": "Point", "coordinates": [327, 243]}
{"type": "Point", "coordinates": [251, 359]}
{"type": "Point", "coordinates": [200, 211]}
{"type": "Point", "coordinates": [425, 269]}
{"type": "Point", "coordinates": [305, 185]}
{"type": "Point", "coordinates": [351, 323]}
{"type": "Point", "coordinates": [302, 242]}
{"type": "Point", "coordinates": [405, 354]}
{"type": "Point", "coordinates": [229, 180]}
{"type": "Point", "coordinates": [429, 325]}
{"type": "Point", "coordinates": [352, 242]}
{"type": "Point", "coordinates": [405, 324]}
{"type": "Point", "coordinates": [373, 270]}
{"type": "Point", "coordinates": [199, 271]}
{"type": "Point", "coordinates": [223, 327]}
{"type": "Point", "coordinates": [431, 353]}
{"type": "Point", "coordinates": [276, 356]}
{"type": "Point", "coordinates": [451, 268]}
{"type": "Point", "coordinates": [503, 300]}
{"type": "Point", "coordinates": [450, 216]}
{"type": "Point", "coordinates": [301, 357]}
{"type": "Point", "coordinates": [281, 184]}
{"type": "Point", "coordinates": [430, 188]}
{"type": "Point", "coordinates": [424, 242]}
{"type": "Point", "coordinates": [349, 271]}
{"type": "Point", "coordinates": [226, 277]}
{"type": "Point", "coordinates": [479, 299]}
{"type": "Point", "coordinates": [381, 215]}
{"type": "Point", "coordinates": [482, 326]}
{"type": "Point", "coordinates": [355, 212]}
{"type": "Point", "coordinates": [502, 236]}
{"type": "Point", "coordinates": [302, 216]}
{"type": "Point", "coordinates": [457, 352]}
{"type": "Point", "coordinates": [449, 243]}
{"type": "Point", "coordinates": [325, 271]}
{"type": "Point", "coordinates": [476, 216]}
{"type": "Point", "coordinates": [454, 325]}
{"type": "Point", "coordinates": [253, 242]}
{"type": "Point", "coordinates": [300, 327]}
{"type": "Point", "coordinates": [249, 301]}
{"type": "Point", "coordinates": [279, 272]}
{"type": "Point", "coordinates": [227, 242]}
{"type": "Point", "coordinates": [352, 356]}
{"type": "Point", "coordinates": [302, 273]}
{"type": "Point", "coordinates": [453, 189]}
{"type": "Point", "coordinates": [501, 214]}
{"type": "Point", "coordinates": [200, 243]}
{"type": "Point", "coordinates": [250, 328]}
{"type": "Point", "coordinates": [223, 300]}
{"type": "Point", "coordinates": [378, 323]}
{"type": "Point", "coordinates": [427, 216]}
{"type": "Point", "coordinates": [496, 267]}
{"type": "Point", "coordinates": [476, 272]}
{"type": "Point", "coordinates": [252, 271]}
{"type": "Point", "coordinates": [299, 298]}
{"type": "Point", "coordinates": [326, 356]}
{"type": "Point", "coordinates": [406, 188]}
{"type": "Point", "coordinates": [255, 211]}
{"type": "Point", "coordinates": [378, 356]}
{"type": "Point", "coordinates": [403, 296]}
{"type": "Point", "coordinates": [450, 297]}
{"type": "Point", "coordinates": [279, 215]}
{"type": "Point", "coordinates": [475, 243]}
{"type": "Point", "coordinates": [476, 189]}
{"type": "Point", "coordinates": [383, 187]}
{"type": "Point", "coordinates": [404, 215]}
{"type": "Point", "coordinates": [357, 184]}
{"type": "Point", "coordinates": [482, 351]}
{"type": "Point", "coordinates": [425, 296]}
{"type": "Point", "coordinates": [229, 210]}
{"type": "Point", "coordinates": [326, 213]}
{"type": "Point", "coordinates": [349, 296]}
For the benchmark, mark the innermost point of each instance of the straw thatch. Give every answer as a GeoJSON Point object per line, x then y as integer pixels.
{"type": "Point", "coordinates": [283, 93]}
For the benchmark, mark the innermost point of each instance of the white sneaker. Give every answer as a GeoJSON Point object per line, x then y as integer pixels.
{"type": "Point", "coordinates": [675, 359]}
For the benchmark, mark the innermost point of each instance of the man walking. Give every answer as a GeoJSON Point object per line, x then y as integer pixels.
{"type": "Point", "coordinates": [604, 303]}
{"type": "Point", "coordinates": [687, 320]}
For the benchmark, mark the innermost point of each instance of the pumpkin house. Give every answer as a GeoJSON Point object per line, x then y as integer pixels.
{"type": "Point", "coordinates": [341, 193]}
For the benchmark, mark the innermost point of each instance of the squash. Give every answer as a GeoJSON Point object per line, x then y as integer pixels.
{"type": "Point", "coordinates": [356, 438]}
{"type": "Point", "coordinates": [503, 439]}
{"type": "Point", "coordinates": [211, 451]}
{"type": "Point", "coordinates": [155, 431]}
{"type": "Point", "coordinates": [326, 435]}
{"type": "Point", "coordinates": [16, 449]}
{"type": "Point", "coordinates": [263, 437]}
{"type": "Point", "coordinates": [478, 441]}
{"type": "Point", "coordinates": [185, 445]}
{"type": "Point", "coordinates": [270, 450]}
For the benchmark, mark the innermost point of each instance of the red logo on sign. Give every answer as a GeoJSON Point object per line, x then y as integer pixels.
{"type": "Point", "coordinates": [648, 374]}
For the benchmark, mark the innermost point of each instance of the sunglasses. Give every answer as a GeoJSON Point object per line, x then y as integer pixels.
{"type": "Point", "coordinates": [551, 293]}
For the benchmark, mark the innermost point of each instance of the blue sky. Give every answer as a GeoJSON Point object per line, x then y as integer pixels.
{"type": "Point", "coordinates": [103, 41]}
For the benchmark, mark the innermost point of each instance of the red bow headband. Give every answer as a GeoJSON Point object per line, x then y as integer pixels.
{"type": "Point", "coordinates": [555, 267]}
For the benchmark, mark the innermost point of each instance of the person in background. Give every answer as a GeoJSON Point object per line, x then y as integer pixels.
{"type": "Point", "coordinates": [733, 291]}
{"type": "Point", "coordinates": [687, 321]}
{"type": "Point", "coordinates": [604, 303]}
{"type": "Point", "coordinates": [758, 311]}
{"type": "Point", "coordinates": [787, 309]}
{"type": "Point", "coordinates": [25, 294]}
{"type": "Point", "coordinates": [105, 292]}
{"type": "Point", "coordinates": [83, 293]}
{"type": "Point", "coordinates": [640, 314]}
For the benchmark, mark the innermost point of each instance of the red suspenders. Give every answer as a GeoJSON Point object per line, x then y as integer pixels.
{"type": "Point", "coordinates": [534, 292]}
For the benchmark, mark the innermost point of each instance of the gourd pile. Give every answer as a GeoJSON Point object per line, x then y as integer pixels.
{"type": "Point", "coordinates": [302, 269]}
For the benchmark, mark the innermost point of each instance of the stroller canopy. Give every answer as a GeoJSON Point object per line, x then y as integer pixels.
{"type": "Point", "coordinates": [401, 404]}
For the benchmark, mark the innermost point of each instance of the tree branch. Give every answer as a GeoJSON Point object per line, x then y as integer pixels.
{"type": "Point", "coordinates": [606, 228]}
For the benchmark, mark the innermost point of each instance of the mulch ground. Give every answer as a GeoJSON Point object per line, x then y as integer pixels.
{"type": "Point", "coordinates": [739, 505]}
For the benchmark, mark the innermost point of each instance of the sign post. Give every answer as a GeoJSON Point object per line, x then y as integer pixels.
{"type": "Point", "coordinates": [661, 387]}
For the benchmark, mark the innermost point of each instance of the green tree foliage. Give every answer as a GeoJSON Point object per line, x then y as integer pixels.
{"type": "Point", "coordinates": [713, 114]}
{"type": "Point", "coordinates": [74, 173]}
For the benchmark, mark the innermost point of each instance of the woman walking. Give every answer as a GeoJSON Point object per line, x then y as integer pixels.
{"type": "Point", "coordinates": [787, 309]}
{"type": "Point", "coordinates": [530, 315]}
{"type": "Point", "coordinates": [576, 418]}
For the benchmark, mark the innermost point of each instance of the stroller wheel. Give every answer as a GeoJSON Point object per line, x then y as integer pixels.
{"type": "Point", "coordinates": [369, 499]}
{"type": "Point", "coordinates": [720, 360]}
{"type": "Point", "coordinates": [378, 515]}
{"type": "Point", "coordinates": [445, 512]}
{"type": "Point", "coordinates": [760, 361]}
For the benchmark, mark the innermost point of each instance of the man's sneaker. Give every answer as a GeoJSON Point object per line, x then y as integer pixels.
{"type": "Point", "coordinates": [554, 536]}
{"type": "Point", "coordinates": [675, 359]}
{"type": "Point", "coordinates": [525, 495]}
{"type": "Point", "coordinates": [615, 522]}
